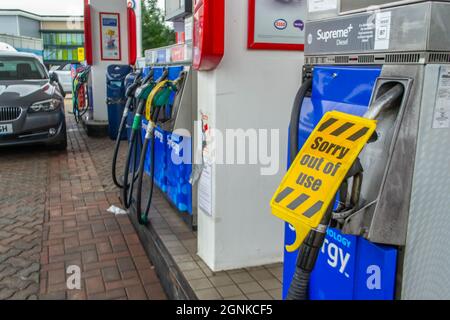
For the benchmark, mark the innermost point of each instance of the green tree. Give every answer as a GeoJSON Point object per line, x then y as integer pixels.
{"type": "Point", "coordinates": [155, 33]}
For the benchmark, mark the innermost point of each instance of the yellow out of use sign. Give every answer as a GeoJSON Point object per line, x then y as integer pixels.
{"type": "Point", "coordinates": [81, 56]}
{"type": "Point", "coordinates": [311, 184]}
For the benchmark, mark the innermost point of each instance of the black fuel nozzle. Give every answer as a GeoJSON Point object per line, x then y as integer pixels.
{"type": "Point", "coordinates": [138, 73]}
{"type": "Point", "coordinates": [349, 201]}
{"type": "Point", "coordinates": [149, 77]}
{"type": "Point", "coordinates": [164, 75]}
{"type": "Point", "coordinates": [180, 80]}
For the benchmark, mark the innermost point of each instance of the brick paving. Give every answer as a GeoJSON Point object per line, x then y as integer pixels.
{"type": "Point", "coordinates": [22, 206]}
{"type": "Point", "coordinates": [53, 215]}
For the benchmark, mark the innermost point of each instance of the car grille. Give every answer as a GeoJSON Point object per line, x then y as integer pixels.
{"type": "Point", "coordinates": [10, 113]}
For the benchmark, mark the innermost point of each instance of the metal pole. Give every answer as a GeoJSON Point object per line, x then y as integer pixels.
{"type": "Point", "coordinates": [138, 11]}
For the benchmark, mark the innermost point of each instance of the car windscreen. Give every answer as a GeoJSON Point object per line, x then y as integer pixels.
{"type": "Point", "coordinates": [19, 68]}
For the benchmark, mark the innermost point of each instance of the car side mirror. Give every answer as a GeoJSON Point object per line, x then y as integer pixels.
{"type": "Point", "coordinates": [53, 77]}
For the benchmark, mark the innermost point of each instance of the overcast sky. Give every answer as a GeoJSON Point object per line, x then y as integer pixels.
{"type": "Point", "coordinates": [49, 7]}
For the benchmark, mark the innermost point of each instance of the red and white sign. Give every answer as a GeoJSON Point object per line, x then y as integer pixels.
{"type": "Point", "coordinates": [276, 25]}
{"type": "Point", "coordinates": [178, 54]}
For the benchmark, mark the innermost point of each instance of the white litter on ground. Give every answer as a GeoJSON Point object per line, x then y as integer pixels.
{"type": "Point", "coordinates": [117, 211]}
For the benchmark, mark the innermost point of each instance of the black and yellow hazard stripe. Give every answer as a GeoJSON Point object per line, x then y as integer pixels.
{"type": "Point", "coordinates": [299, 201]}
{"type": "Point", "coordinates": [339, 128]}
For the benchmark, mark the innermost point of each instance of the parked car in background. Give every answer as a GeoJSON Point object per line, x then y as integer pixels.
{"type": "Point", "coordinates": [6, 47]}
{"type": "Point", "coordinates": [63, 77]}
{"type": "Point", "coordinates": [31, 104]}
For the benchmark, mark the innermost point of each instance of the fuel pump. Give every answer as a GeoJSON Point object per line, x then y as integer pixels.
{"type": "Point", "coordinates": [81, 100]}
{"type": "Point", "coordinates": [135, 143]}
{"type": "Point", "coordinates": [377, 232]}
{"type": "Point", "coordinates": [129, 107]}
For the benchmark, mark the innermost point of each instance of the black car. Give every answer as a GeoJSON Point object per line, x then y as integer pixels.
{"type": "Point", "coordinates": [31, 104]}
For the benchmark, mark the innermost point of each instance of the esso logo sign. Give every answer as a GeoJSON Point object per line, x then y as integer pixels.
{"type": "Point", "coordinates": [280, 24]}
{"type": "Point", "coordinates": [131, 4]}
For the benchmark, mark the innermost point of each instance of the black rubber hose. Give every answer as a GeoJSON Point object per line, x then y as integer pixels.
{"type": "Point", "coordinates": [300, 285]}
{"type": "Point", "coordinates": [135, 169]}
{"type": "Point", "coordinates": [130, 163]}
{"type": "Point", "coordinates": [129, 107]}
{"type": "Point", "coordinates": [295, 115]}
{"type": "Point", "coordinates": [126, 185]}
{"type": "Point", "coordinates": [300, 282]}
{"type": "Point", "coordinates": [306, 261]}
{"type": "Point", "coordinates": [122, 127]}
{"type": "Point", "coordinates": [127, 190]}
{"type": "Point", "coordinates": [143, 215]}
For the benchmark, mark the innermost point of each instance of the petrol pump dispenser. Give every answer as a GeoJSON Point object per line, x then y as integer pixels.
{"type": "Point", "coordinates": [386, 235]}
{"type": "Point", "coordinates": [165, 124]}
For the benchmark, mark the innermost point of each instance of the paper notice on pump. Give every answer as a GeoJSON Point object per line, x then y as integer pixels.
{"type": "Point", "coordinates": [322, 5]}
{"type": "Point", "coordinates": [205, 190]}
{"type": "Point", "coordinates": [383, 30]}
{"type": "Point", "coordinates": [441, 119]}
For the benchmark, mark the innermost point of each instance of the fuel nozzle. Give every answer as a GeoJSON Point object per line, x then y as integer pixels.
{"type": "Point", "coordinates": [385, 101]}
{"type": "Point", "coordinates": [148, 78]}
{"type": "Point", "coordinates": [349, 199]}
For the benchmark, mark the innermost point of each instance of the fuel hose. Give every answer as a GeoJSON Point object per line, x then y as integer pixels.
{"type": "Point", "coordinates": [158, 99]}
{"type": "Point", "coordinates": [307, 258]}
{"type": "Point", "coordinates": [130, 164]}
{"type": "Point", "coordinates": [135, 144]}
{"type": "Point", "coordinates": [129, 107]}
{"type": "Point", "coordinates": [300, 282]}
{"type": "Point", "coordinates": [295, 115]}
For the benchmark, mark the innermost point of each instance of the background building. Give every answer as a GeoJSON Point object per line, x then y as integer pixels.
{"type": "Point", "coordinates": [57, 39]}
{"type": "Point", "coordinates": [62, 36]}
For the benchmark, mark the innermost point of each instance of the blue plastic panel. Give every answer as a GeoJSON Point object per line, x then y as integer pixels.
{"type": "Point", "coordinates": [160, 158]}
{"type": "Point", "coordinates": [146, 71]}
{"type": "Point", "coordinates": [335, 267]}
{"type": "Point", "coordinates": [178, 172]}
{"type": "Point", "coordinates": [172, 174]}
{"type": "Point", "coordinates": [158, 72]}
{"type": "Point", "coordinates": [346, 263]}
{"type": "Point", "coordinates": [377, 268]}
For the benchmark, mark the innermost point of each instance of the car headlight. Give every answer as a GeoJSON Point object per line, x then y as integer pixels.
{"type": "Point", "coordinates": [45, 106]}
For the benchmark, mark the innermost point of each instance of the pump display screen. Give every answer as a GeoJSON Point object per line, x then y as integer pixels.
{"type": "Point", "coordinates": [350, 5]}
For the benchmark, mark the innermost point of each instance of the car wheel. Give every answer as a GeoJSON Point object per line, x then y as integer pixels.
{"type": "Point", "coordinates": [62, 145]}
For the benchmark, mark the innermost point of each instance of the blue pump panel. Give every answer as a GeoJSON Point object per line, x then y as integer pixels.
{"type": "Point", "coordinates": [348, 267]}
{"type": "Point", "coordinates": [179, 167]}
{"type": "Point", "coordinates": [146, 71]}
{"type": "Point", "coordinates": [336, 267]}
{"type": "Point", "coordinates": [160, 158]}
{"type": "Point", "coordinates": [178, 172]}
{"type": "Point", "coordinates": [157, 72]}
